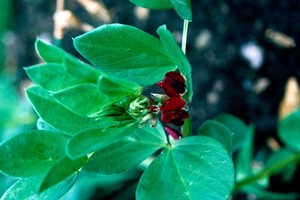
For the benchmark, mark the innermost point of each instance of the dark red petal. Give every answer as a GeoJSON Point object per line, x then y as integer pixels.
{"type": "Point", "coordinates": [174, 117]}
{"type": "Point", "coordinates": [173, 103]}
{"type": "Point", "coordinates": [175, 80]}
{"type": "Point", "coordinates": [174, 133]}
{"type": "Point", "coordinates": [174, 76]}
{"type": "Point", "coordinates": [166, 117]}
{"type": "Point", "coordinates": [178, 117]}
{"type": "Point", "coordinates": [169, 89]}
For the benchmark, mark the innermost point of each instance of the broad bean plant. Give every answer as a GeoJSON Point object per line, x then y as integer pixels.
{"type": "Point", "coordinates": [102, 118]}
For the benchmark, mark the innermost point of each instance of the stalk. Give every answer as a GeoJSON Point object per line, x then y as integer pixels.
{"type": "Point", "coordinates": [267, 172]}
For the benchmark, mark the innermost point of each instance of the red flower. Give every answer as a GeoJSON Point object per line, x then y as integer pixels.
{"type": "Point", "coordinates": [172, 111]}
{"type": "Point", "coordinates": [173, 84]}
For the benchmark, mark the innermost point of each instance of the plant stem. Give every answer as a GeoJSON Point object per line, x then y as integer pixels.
{"type": "Point", "coordinates": [267, 172]}
{"type": "Point", "coordinates": [187, 126]}
{"type": "Point", "coordinates": [184, 35]}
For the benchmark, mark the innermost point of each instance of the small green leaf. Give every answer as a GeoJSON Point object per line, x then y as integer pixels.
{"type": "Point", "coordinates": [217, 131]}
{"type": "Point", "coordinates": [153, 4]}
{"type": "Point", "coordinates": [29, 188]}
{"type": "Point", "coordinates": [117, 88]}
{"type": "Point", "coordinates": [6, 15]}
{"type": "Point", "coordinates": [183, 8]}
{"type": "Point", "coordinates": [95, 139]}
{"type": "Point", "coordinates": [197, 167]}
{"type": "Point", "coordinates": [245, 157]}
{"type": "Point", "coordinates": [125, 52]}
{"type": "Point", "coordinates": [237, 127]}
{"type": "Point", "coordinates": [128, 151]}
{"type": "Point", "coordinates": [61, 171]}
{"type": "Point", "coordinates": [31, 153]}
{"type": "Point", "coordinates": [58, 76]}
{"type": "Point", "coordinates": [57, 115]}
{"type": "Point", "coordinates": [51, 76]}
{"type": "Point", "coordinates": [42, 125]}
{"type": "Point", "coordinates": [178, 57]}
{"type": "Point", "coordinates": [289, 130]}
{"type": "Point", "coordinates": [84, 99]}
{"type": "Point", "coordinates": [49, 53]}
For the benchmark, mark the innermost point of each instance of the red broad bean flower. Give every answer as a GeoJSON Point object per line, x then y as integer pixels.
{"type": "Point", "coordinates": [173, 109]}
{"type": "Point", "coordinates": [173, 84]}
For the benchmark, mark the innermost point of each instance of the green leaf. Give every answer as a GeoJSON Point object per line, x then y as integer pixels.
{"type": "Point", "coordinates": [50, 53]}
{"type": "Point", "coordinates": [92, 140]}
{"type": "Point", "coordinates": [32, 153]}
{"type": "Point", "coordinates": [6, 14]}
{"type": "Point", "coordinates": [61, 171]}
{"type": "Point", "coordinates": [178, 57]}
{"type": "Point", "coordinates": [58, 76]}
{"type": "Point", "coordinates": [183, 8]}
{"type": "Point", "coordinates": [29, 188]}
{"type": "Point", "coordinates": [289, 130]}
{"type": "Point", "coordinates": [57, 115]}
{"type": "Point", "coordinates": [153, 4]}
{"type": "Point", "coordinates": [197, 167]}
{"type": "Point", "coordinates": [245, 157]}
{"type": "Point", "coordinates": [117, 88]}
{"type": "Point", "coordinates": [125, 52]}
{"type": "Point", "coordinates": [237, 127]}
{"type": "Point", "coordinates": [84, 99]}
{"type": "Point", "coordinates": [128, 151]}
{"type": "Point", "coordinates": [217, 131]}
{"type": "Point", "coordinates": [42, 125]}
{"type": "Point", "coordinates": [280, 156]}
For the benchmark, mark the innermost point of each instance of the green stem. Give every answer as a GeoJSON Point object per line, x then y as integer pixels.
{"type": "Point", "coordinates": [184, 35]}
{"type": "Point", "coordinates": [187, 126]}
{"type": "Point", "coordinates": [267, 172]}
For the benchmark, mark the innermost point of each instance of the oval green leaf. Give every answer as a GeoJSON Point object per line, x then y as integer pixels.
{"type": "Point", "coordinates": [127, 152]}
{"type": "Point", "coordinates": [58, 76]}
{"type": "Point", "coordinates": [153, 4]}
{"type": "Point", "coordinates": [197, 167]}
{"type": "Point", "coordinates": [32, 153]}
{"type": "Point", "coordinates": [62, 170]}
{"type": "Point", "coordinates": [83, 99]}
{"type": "Point", "coordinates": [183, 8]}
{"type": "Point", "coordinates": [92, 140]}
{"type": "Point", "coordinates": [125, 52]}
{"type": "Point", "coordinates": [29, 189]}
{"type": "Point", "coordinates": [289, 130]}
{"type": "Point", "coordinates": [217, 131]}
{"type": "Point", "coordinates": [117, 88]}
{"type": "Point", "coordinates": [57, 115]}
{"type": "Point", "coordinates": [237, 127]}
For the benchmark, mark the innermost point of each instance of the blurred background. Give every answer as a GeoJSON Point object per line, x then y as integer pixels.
{"type": "Point", "coordinates": [242, 52]}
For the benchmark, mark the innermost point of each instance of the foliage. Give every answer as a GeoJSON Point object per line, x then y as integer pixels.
{"type": "Point", "coordinates": [98, 119]}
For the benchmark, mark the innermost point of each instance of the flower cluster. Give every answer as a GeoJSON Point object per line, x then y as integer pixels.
{"type": "Point", "coordinates": [173, 108]}
{"type": "Point", "coordinates": [171, 105]}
